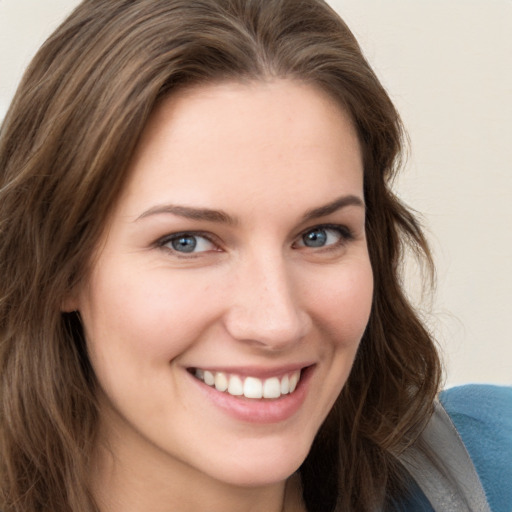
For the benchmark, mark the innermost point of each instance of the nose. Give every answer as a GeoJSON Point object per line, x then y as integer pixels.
{"type": "Point", "coordinates": [266, 307]}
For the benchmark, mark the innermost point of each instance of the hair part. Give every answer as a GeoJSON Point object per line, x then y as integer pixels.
{"type": "Point", "coordinates": [65, 147]}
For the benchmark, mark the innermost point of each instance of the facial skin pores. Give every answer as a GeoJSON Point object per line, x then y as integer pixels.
{"type": "Point", "coordinates": [229, 295]}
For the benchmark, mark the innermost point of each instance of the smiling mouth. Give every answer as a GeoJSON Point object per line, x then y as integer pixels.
{"type": "Point", "coordinates": [247, 386]}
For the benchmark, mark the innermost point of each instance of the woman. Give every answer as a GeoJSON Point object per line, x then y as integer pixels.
{"type": "Point", "coordinates": [200, 301]}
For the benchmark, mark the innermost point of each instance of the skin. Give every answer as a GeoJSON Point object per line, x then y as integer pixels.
{"type": "Point", "coordinates": [253, 295]}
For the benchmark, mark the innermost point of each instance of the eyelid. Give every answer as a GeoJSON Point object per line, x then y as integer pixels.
{"type": "Point", "coordinates": [346, 235]}
{"type": "Point", "coordinates": [163, 242]}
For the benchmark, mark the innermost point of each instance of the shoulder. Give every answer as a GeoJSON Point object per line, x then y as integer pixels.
{"type": "Point", "coordinates": [482, 415]}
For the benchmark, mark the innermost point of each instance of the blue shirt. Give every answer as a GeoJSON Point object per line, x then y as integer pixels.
{"type": "Point", "coordinates": [482, 415]}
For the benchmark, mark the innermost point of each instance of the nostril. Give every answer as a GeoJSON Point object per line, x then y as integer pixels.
{"type": "Point", "coordinates": [274, 329]}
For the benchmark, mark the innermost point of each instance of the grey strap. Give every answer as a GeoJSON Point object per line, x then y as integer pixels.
{"type": "Point", "coordinates": [449, 479]}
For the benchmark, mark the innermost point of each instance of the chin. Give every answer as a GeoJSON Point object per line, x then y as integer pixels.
{"type": "Point", "coordinates": [260, 466]}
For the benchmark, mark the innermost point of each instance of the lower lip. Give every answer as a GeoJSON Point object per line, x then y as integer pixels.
{"type": "Point", "coordinates": [258, 410]}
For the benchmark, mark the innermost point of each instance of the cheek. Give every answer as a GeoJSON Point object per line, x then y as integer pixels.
{"type": "Point", "coordinates": [147, 319]}
{"type": "Point", "coordinates": [341, 311]}
{"type": "Point", "coordinates": [343, 303]}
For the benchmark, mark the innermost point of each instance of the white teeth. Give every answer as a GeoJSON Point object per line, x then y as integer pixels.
{"type": "Point", "coordinates": [250, 387]}
{"type": "Point", "coordinates": [294, 380]}
{"type": "Point", "coordinates": [221, 381]}
{"type": "Point", "coordinates": [272, 388]}
{"type": "Point", "coordinates": [285, 385]}
{"type": "Point", "coordinates": [236, 387]}
{"type": "Point", "coordinates": [253, 388]}
{"type": "Point", "coordinates": [209, 378]}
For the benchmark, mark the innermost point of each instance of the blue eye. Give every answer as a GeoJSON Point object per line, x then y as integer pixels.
{"type": "Point", "coordinates": [185, 243]}
{"type": "Point", "coordinates": [315, 238]}
{"type": "Point", "coordinates": [188, 243]}
{"type": "Point", "coordinates": [324, 236]}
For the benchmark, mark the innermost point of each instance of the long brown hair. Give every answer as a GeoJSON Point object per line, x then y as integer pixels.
{"type": "Point", "coordinates": [64, 149]}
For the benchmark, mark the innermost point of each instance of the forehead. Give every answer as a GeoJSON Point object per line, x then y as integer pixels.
{"type": "Point", "coordinates": [282, 139]}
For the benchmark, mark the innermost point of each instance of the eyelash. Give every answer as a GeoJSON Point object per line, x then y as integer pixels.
{"type": "Point", "coordinates": [345, 234]}
{"type": "Point", "coordinates": [168, 239]}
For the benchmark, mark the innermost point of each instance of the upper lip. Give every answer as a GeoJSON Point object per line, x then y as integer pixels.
{"type": "Point", "coordinates": [255, 371]}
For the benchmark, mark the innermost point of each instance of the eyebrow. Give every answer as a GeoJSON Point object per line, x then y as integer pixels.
{"type": "Point", "coordinates": [333, 206]}
{"type": "Point", "coordinates": [188, 212]}
{"type": "Point", "coordinates": [220, 216]}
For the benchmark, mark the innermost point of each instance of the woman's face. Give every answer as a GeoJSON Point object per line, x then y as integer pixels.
{"type": "Point", "coordinates": [235, 258]}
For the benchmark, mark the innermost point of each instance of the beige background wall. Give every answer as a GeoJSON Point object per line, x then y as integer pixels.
{"type": "Point", "coordinates": [448, 66]}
